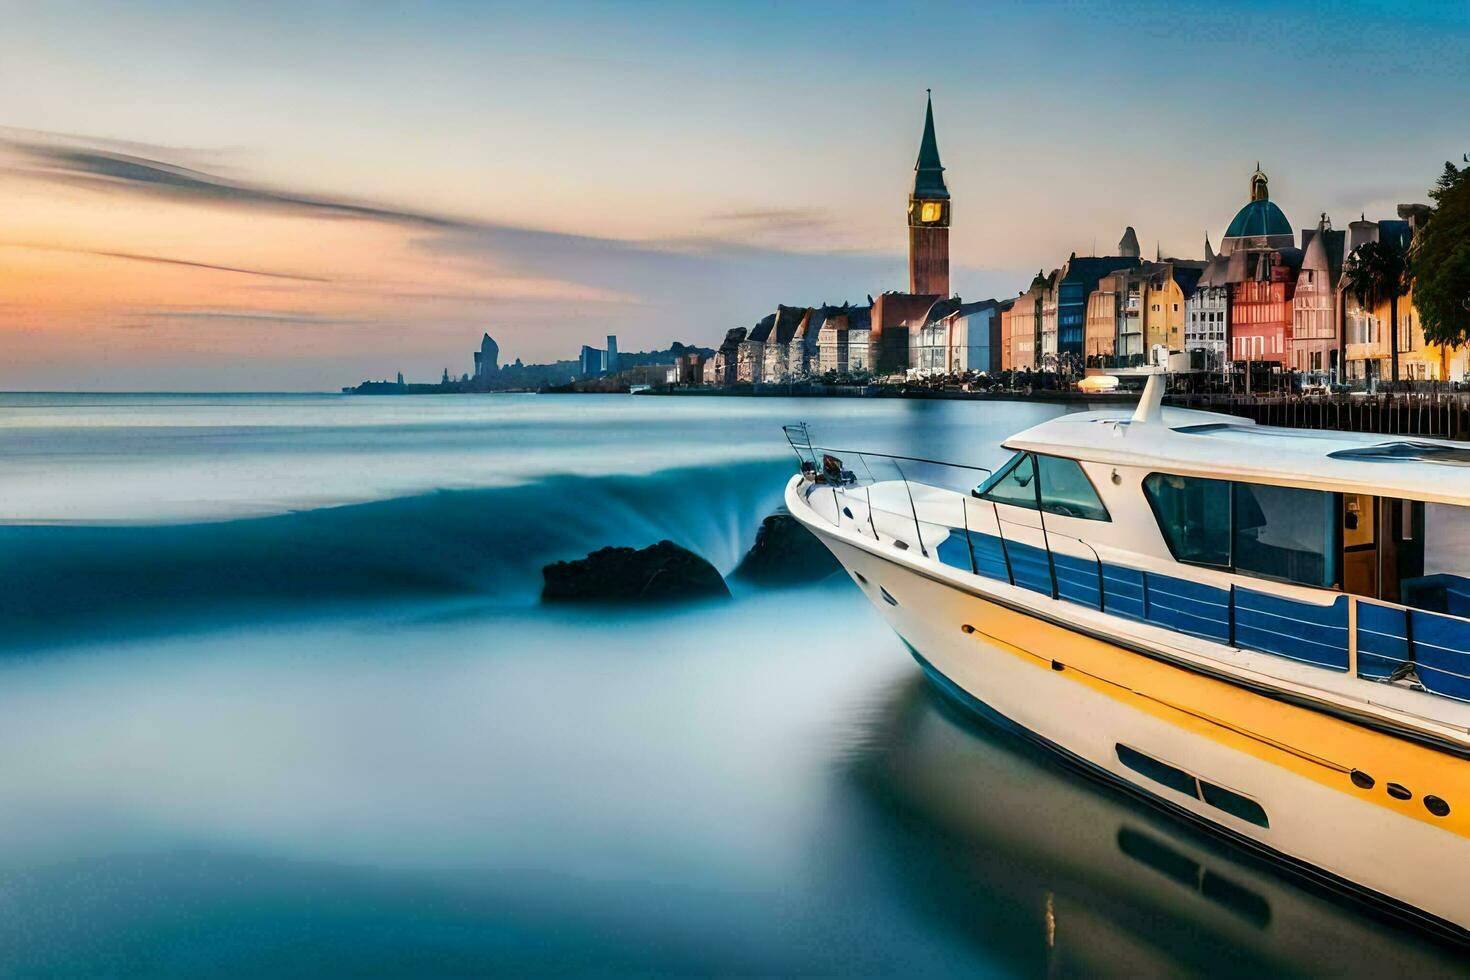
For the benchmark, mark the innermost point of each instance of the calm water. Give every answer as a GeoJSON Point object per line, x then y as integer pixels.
{"type": "Point", "coordinates": [277, 698]}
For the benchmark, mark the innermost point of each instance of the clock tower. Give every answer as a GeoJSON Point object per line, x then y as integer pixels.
{"type": "Point", "coordinates": [929, 218]}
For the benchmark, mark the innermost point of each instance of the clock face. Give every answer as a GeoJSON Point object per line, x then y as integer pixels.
{"type": "Point", "coordinates": [929, 212]}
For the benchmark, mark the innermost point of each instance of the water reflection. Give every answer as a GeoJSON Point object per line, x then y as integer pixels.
{"type": "Point", "coordinates": [1019, 855]}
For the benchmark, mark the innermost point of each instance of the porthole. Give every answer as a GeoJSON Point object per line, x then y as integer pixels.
{"type": "Point", "coordinates": [1361, 779]}
{"type": "Point", "coordinates": [859, 577]}
{"type": "Point", "coordinates": [887, 596]}
{"type": "Point", "coordinates": [1057, 665]}
{"type": "Point", "coordinates": [1436, 806]}
{"type": "Point", "coordinates": [847, 512]}
{"type": "Point", "coordinates": [900, 545]}
{"type": "Point", "coordinates": [1399, 792]}
{"type": "Point", "coordinates": [967, 628]}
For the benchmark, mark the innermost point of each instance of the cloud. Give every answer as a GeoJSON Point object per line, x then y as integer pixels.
{"type": "Point", "coordinates": [101, 168]}
{"type": "Point", "coordinates": [165, 260]}
{"type": "Point", "coordinates": [258, 316]}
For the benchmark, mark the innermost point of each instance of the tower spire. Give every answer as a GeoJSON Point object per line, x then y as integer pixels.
{"type": "Point", "coordinates": [928, 171]}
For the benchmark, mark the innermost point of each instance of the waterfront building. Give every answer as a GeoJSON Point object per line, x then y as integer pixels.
{"type": "Point", "coordinates": [832, 344]}
{"type": "Point", "coordinates": [1366, 331]}
{"type": "Point", "coordinates": [1104, 318]}
{"type": "Point", "coordinates": [1046, 351]}
{"type": "Point", "coordinates": [929, 339]}
{"type": "Point", "coordinates": [1079, 277]}
{"type": "Point", "coordinates": [487, 358]}
{"type": "Point", "coordinates": [802, 355]}
{"type": "Point", "coordinates": [859, 340]}
{"type": "Point", "coordinates": [974, 337]}
{"type": "Point", "coordinates": [1261, 305]}
{"type": "Point", "coordinates": [892, 315]}
{"type": "Point", "coordinates": [1315, 306]}
{"type": "Point", "coordinates": [1263, 263]}
{"type": "Point", "coordinates": [610, 362]}
{"type": "Point", "coordinates": [750, 354]}
{"type": "Point", "coordinates": [1207, 313]}
{"type": "Point", "coordinates": [840, 327]}
{"type": "Point", "coordinates": [591, 361]}
{"type": "Point", "coordinates": [723, 366]}
{"type": "Point", "coordinates": [1167, 287]}
{"type": "Point", "coordinates": [1021, 326]}
{"type": "Point", "coordinates": [689, 369]}
{"type": "Point", "coordinates": [776, 351]}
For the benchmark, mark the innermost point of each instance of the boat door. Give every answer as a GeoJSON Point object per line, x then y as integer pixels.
{"type": "Point", "coordinates": [1382, 545]}
{"type": "Point", "coordinates": [1360, 544]}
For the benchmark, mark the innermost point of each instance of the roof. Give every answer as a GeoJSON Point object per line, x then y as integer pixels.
{"type": "Point", "coordinates": [762, 330]}
{"type": "Point", "coordinates": [1258, 218]}
{"type": "Point", "coordinates": [980, 306]}
{"type": "Point", "coordinates": [941, 309]}
{"type": "Point", "coordinates": [928, 171]}
{"type": "Point", "coordinates": [788, 318]}
{"type": "Point", "coordinates": [1206, 444]}
{"type": "Point", "coordinates": [1090, 269]}
{"type": "Point", "coordinates": [1188, 276]}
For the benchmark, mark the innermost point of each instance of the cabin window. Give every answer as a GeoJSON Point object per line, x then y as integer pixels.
{"type": "Point", "coordinates": [1194, 516]}
{"type": "Point", "coordinates": [1066, 491]}
{"type": "Point", "coordinates": [1014, 485]}
{"type": "Point", "coordinates": [1285, 533]}
{"type": "Point", "coordinates": [1060, 484]}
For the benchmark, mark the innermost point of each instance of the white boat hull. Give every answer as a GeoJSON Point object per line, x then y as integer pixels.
{"type": "Point", "coordinates": [1056, 685]}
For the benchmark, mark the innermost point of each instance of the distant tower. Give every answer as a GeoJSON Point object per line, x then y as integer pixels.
{"type": "Point", "coordinates": [487, 358]}
{"type": "Point", "coordinates": [612, 354]}
{"type": "Point", "coordinates": [400, 379]}
{"type": "Point", "coordinates": [1128, 244]}
{"type": "Point", "coordinates": [929, 217]}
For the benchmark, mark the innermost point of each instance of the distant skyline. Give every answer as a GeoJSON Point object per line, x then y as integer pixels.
{"type": "Point", "coordinates": [276, 196]}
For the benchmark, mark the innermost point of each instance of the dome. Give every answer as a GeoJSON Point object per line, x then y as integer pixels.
{"type": "Point", "coordinates": [1259, 218]}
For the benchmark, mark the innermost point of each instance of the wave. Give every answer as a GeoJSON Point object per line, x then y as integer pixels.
{"type": "Point", "coordinates": [61, 582]}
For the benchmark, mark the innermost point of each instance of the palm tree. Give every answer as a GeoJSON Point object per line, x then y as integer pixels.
{"type": "Point", "coordinates": [1378, 271]}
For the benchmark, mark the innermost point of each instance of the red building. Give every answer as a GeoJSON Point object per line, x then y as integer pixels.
{"type": "Point", "coordinates": [1261, 308]}
{"type": "Point", "coordinates": [1262, 265]}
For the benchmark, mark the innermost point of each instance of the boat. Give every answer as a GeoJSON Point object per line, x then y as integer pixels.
{"type": "Point", "coordinates": [1098, 384]}
{"type": "Point", "coordinates": [1258, 629]}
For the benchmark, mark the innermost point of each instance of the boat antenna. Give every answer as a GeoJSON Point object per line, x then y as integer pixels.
{"type": "Point", "coordinates": [1151, 406]}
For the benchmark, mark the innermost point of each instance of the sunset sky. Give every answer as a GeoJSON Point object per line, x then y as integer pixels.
{"type": "Point", "coordinates": [297, 196]}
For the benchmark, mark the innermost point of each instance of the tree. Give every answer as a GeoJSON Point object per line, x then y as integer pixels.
{"type": "Point", "coordinates": [1440, 262]}
{"type": "Point", "coordinates": [1377, 272]}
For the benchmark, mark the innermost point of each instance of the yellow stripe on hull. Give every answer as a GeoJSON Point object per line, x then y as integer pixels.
{"type": "Point", "coordinates": [1309, 743]}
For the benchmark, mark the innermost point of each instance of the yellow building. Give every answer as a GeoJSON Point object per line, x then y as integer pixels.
{"type": "Point", "coordinates": [1166, 285]}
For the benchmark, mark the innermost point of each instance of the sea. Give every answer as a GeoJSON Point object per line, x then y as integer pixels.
{"type": "Point", "coordinates": [278, 698]}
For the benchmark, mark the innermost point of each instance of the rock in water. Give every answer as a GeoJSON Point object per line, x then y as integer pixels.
{"type": "Point", "coordinates": [662, 572]}
{"type": "Point", "coordinates": [785, 553]}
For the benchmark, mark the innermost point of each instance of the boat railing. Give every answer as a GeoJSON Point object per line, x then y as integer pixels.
{"type": "Point", "coordinates": [930, 510]}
